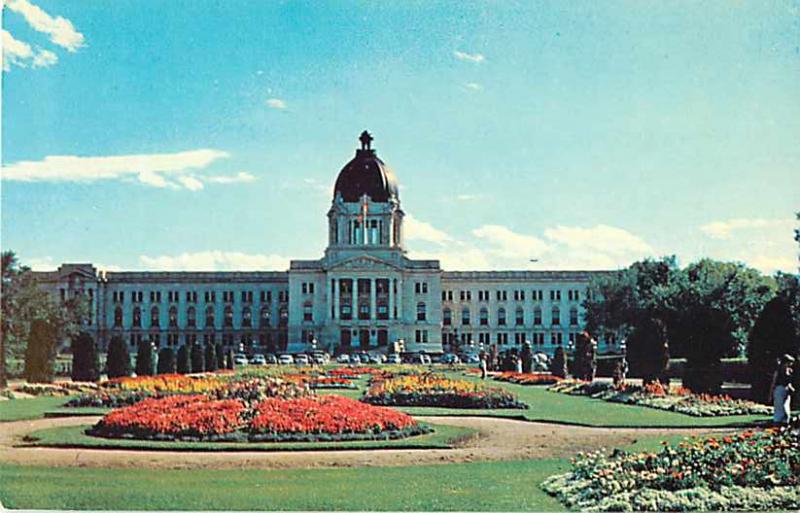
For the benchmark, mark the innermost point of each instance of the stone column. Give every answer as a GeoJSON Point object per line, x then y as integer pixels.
{"type": "Point", "coordinates": [400, 298]}
{"type": "Point", "coordinates": [372, 299]}
{"type": "Point", "coordinates": [336, 292]}
{"type": "Point", "coordinates": [391, 298]}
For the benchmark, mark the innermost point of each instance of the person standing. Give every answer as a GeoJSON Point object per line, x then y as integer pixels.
{"type": "Point", "coordinates": [782, 390]}
{"type": "Point", "coordinates": [483, 364]}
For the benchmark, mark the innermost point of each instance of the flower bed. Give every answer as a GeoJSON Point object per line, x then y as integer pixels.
{"type": "Point", "coordinates": [435, 390]}
{"type": "Point", "coordinates": [656, 396]}
{"type": "Point", "coordinates": [522, 378]}
{"type": "Point", "coordinates": [749, 471]}
{"type": "Point", "coordinates": [316, 382]}
{"type": "Point", "coordinates": [54, 389]}
{"type": "Point", "coordinates": [204, 418]}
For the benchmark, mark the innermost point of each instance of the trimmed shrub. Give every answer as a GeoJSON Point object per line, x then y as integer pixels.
{"type": "Point", "coordinates": [229, 359]}
{"type": "Point", "coordinates": [711, 338]}
{"type": "Point", "coordinates": [118, 359]}
{"type": "Point", "coordinates": [197, 358]}
{"type": "Point", "coordinates": [85, 361]}
{"type": "Point", "coordinates": [648, 351]}
{"type": "Point", "coordinates": [184, 364]}
{"type": "Point", "coordinates": [211, 357]}
{"type": "Point", "coordinates": [527, 359]}
{"type": "Point", "coordinates": [166, 361]}
{"type": "Point", "coordinates": [40, 354]}
{"type": "Point", "coordinates": [773, 336]}
{"type": "Point", "coordinates": [220, 355]}
{"type": "Point", "coordinates": [585, 357]}
{"type": "Point", "coordinates": [558, 366]}
{"type": "Point", "coordinates": [144, 359]}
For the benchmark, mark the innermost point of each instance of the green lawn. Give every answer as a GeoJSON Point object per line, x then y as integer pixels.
{"type": "Point", "coordinates": [27, 409]}
{"type": "Point", "coordinates": [443, 437]}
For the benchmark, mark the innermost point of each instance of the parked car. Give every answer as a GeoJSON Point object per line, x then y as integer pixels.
{"type": "Point", "coordinates": [343, 358]}
{"type": "Point", "coordinates": [320, 359]}
{"type": "Point", "coordinates": [449, 358]}
{"type": "Point", "coordinates": [419, 358]}
{"type": "Point", "coordinates": [258, 359]}
{"type": "Point", "coordinates": [363, 358]}
{"type": "Point", "coordinates": [285, 359]}
{"type": "Point", "coordinates": [472, 358]}
{"type": "Point", "coordinates": [240, 359]}
{"type": "Point", "coordinates": [376, 359]}
{"type": "Point", "coordinates": [394, 359]}
{"type": "Point", "coordinates": [301, 359]}
{"type": "Point", "coordinates": [272, 359]}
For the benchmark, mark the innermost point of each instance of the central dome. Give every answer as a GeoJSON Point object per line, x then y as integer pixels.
{"type": "Point", "coordinates": [366, 174]}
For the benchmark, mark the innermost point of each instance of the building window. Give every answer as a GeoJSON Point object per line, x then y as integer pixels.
{"type": "Point", "coordinates": [308, 312]}
{"type": "Point", "coordinates": [484, 317]}
{"type": "Point", "coordinates": [519, 317]}
{"type": "Point", "coordinates": [421, 313]}
{"type": "Point", "coordinates": [265, 317]}
{"type": "Point", "coordinates": [363, 310]}
{"type": "Point", "coordinates": [191, 317]}
{"type": "Point", "coordinates": [154, 321]}
{"type": "Point", "coordinates": [555, 295]}
{"type": "Point", "coordinates": [421, 336]}
{"type": "Point", "coordinates": [501, 317]}
{"type": "Point", "coordinates": [266, 296]}
{"type": "Point", "coordinates": [556, 316]}
{"type": "Point", "coordinates": [118, 317]}
{"type": "Point", "coordinates": [209, 317]}
{"type": "Point", "coordinates": [465, 316]}
{"type": "Point", "coordinates": [211, 296]}
{"type": "Point", "coordinates": [573, 316]}
{"type": "Point", "coordinates": [173, 317]}
{"type": "Point", "coordinates": [283, 316]}
{"type": "Point", "coordinates": [247, 317]}
{"type": "Point", "coordinates": [447, 317]}
{"type": "Point", "coordinates": [228, 317]}
{"type": "Point", "coordinates": [537, 316]}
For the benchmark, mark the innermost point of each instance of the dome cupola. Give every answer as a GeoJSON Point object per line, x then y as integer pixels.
{"type": "Point", "coordinates": [367, 175]}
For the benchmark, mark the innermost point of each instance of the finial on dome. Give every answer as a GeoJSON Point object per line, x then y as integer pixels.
{"type": "Point", "coordinates": [366, 140]}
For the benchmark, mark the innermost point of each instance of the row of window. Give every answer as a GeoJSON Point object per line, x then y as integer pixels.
{"type": "Point", "coordinates": [519, 316]}
{"type": "Point", "coordinates": [518, 295]}
{"type": "Point", "coordinates": [210, 296]}
{"type": "Point", "coordinates": [536, 339]}
{"type": "Point", "coordinates": [247, 320]}
{"type": "Point", "coordinates": [307, 287]}
{"type": "Point", "coordinates": [266, 340]}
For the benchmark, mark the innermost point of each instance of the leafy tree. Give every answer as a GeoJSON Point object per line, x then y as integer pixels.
{"type": "Point", "coordinates": [197, 357]}
{"type": "Point", "coordinates": [85, 360]}
{"type": "Point", "coordinates": [144, 358]}
{"type": "Point", "coordinates": [166, 361]}
{"type": "Point", "coordinates": [527, 358]}
{"type": "Point", "coordinates": [184, 364]}
{"type": "Point", "coordinates": [558, 365]}
{"type": "Point", "coordinates": [40, 352]}
{"type": "Point", "coordinates": [585, 364]}
{"type": "Point", "coordinates": [220, 351]}
{"type": "Point", "coordinates": [24, 302]}
{"type": "Point", "coordinates": [118, 359]}
{"type": "Point", "coordinates": [648, 350]}
{"type": "Point", "coordinates": [774, 335]}
{"type": "Point", "coordinates": [211, 357]}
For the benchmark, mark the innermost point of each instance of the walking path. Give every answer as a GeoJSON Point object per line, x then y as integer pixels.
{"type": "Point", "coordinates": [496, 439]}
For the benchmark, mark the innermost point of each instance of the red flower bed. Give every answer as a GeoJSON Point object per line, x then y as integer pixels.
{"type": "Point", "coordinates": [180, 416]}
{"type": "Point", "coordinates": [333, 415]}
{"type": "Point", "coordinates": [521, 378]}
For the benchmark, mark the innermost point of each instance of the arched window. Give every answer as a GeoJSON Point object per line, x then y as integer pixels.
{"type": "Point", "coordinates": [447, 317]}
{"type": "Point", "coordinates": [501, 317]}
{"type": "Point", "coordinates": [154, 320]}
{"type": "Point", "coordinates": [209, 317]}
{"type": "Point", "coordinates": [573, 316]}
{"type": "Point", "coordinates": [191, 317]}
{"type": "Point", "coordinates": [173, 317]}
{"type": "Point", "coordinates": [421, 313]}
{"type": "Point", "coordinates": [118, 317]}
{"type": "Point", "coordinates": [519, 317]}
{"type": "Point", "coordinates": [137, 317]}
{"type": "Point", "coordinates": [247, 317]}
{"type": "Point", "coordinates": [228, 313]}
{"type": "Point", "coordinates": [283, 315]}
{"type": "Point", "coordinates": [537, 316]}
{"type": "Point", "coordinates": [465, 316]}
{"type": "Point", "coordinates": [556, 316]}
{"type": "Point", "coordinates": [308, 312]}
{"type": "Point", "coordinates": [484, 317]}
{"type": "Point", "coordinates": [265, 317]}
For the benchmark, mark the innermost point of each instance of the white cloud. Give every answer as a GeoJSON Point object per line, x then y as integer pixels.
{"type": "Point", "coordinates": [419, 230]}
{"type": "Point", "coordinates": [240, 177]}
{"type": "Point", "coordinates": [769, 264]}
{"type": "Point", "coordinates": [215, 261]}
{"type": "Point", "coordinates": [509, 244]}
{"type": "Point", "coordinates": [602, 238]}
{"type": "Point", "coordinates": [20, 53]}
{"type": "Point", "coordinates": [276, 103]}
{"type": "Point", "coordinates": [44, 59]}
{"type": "Point", "coordinates": [470, 57]}
{"type": "Point", "coordinates": [724, 229]}
{"type": "Point", "coordinates": [60, 30]}
{"type": "Point", "coordinates": [155, 170]}
{"type": "Point", "coordinates": [474, 86]}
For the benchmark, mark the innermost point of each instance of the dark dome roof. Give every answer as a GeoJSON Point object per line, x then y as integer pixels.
{"type": "Point", "coordinates": [366, 174]}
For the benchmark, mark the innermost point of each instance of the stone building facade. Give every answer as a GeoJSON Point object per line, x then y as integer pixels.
{"type": "Point", "coordinates": [364, 293]}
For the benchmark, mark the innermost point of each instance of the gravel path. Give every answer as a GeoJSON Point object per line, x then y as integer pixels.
{"type": "Point", "coordinates": [496, 439]}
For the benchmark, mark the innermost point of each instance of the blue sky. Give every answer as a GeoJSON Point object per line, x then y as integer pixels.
{"type": "Point", "coordinates": [207, 135]}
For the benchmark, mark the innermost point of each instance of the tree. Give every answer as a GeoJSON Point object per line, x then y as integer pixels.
{"type": "Point", "coordinates": [144, 358]}
{"type": "Point", "coordinates": [85, 360]}
{"type": "Point", "coordinates": [211, 358]}
{"type": "Point", "coordinates": [40, 352]}
{"type": "Point", "coordinates": [184, 364]}
{"type": "Point", "coordinates": [197, 358]}
{"type": "Point", "coordinates": [773, 335]}
{"type": "Point", "coordinates": [558, 366]}
{"type": "Point", "coordinates": [585, 357]}
{"type": "Point", "coordinates": [648, 350]}
{"type": "Point", "coordinates": [166, 361]}
{"type": "Point", "coordinates": [118, 360]}
{"type": "Point", "coordinates": [220, 351]}
{"type": "Point", "coordinates": [527, 358]}
{"type": "Point", "coordinates": [24, 302]}
{"type": "Point", "coordinates": [229, 359]}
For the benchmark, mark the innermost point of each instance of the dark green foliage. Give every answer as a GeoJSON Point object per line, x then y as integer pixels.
{"type": "Point", "coordinates": [585, 364]}
{"type": "Point", "coordinates": [85, 361]}
{"type": "Point", "coordinates": [166, 361]}
{"type": "Point", "coordinates": [211, 358]}
{"type": "Point", "coordinates": [647, 350]}
{"type": "Point", "coordinates": [197, 358]}
{"type": "Point", "coordinates": [773, 336]}
{"type": "Point", "coordinates": [229, 359]}
{"type": "Point", "coordinates": [118, 360]}
{"type": "Point", "coordinates": [220, 355]}
{"type": "Point", "coordinates": [527, 358]}
{"type": "Point", "coordinates": [184, 364]}
{"type": "Point", "coordinates": [558, 366]}
{"type": "Point", "coordinates": [40, 353]}
{"type": "Point", "coordinates": [707, 343]}
{"type": "Point", "coordinates": [145, 365]}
